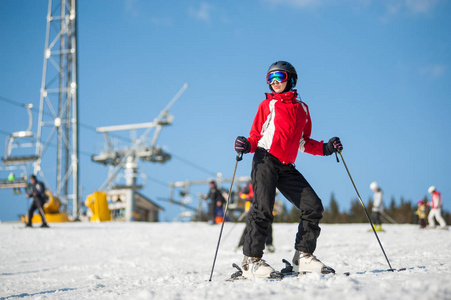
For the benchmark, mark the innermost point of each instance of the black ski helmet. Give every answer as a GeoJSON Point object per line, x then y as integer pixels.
{"type": "Point", "coordinates": [287, 67]}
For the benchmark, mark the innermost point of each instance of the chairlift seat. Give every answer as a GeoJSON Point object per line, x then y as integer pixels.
{"type": "Point", "coordinates": [21, 134]}
{"type": "Point", "coordinates": [7, 184]}
{"type": "Point", "coordinates": [10, 160]}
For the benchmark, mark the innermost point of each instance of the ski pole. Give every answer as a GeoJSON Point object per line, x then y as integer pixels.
{"type": "Point", "coordinates": [364, 209]}
{"type": "Point", "coordinates": [386, 216]}
{"type": "Point", "coordinates": [240, 218]}
{"type": "Point", "coordinates": [238, 158]}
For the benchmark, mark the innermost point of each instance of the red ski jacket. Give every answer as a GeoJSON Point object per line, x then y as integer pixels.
{"type": "Point", "coordinates": [282, 126]}
{"type": "Point", "coordinates": [436, 200]}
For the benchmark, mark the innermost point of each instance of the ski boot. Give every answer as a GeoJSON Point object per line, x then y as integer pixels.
{"type": "Point", "coordinates": [270, 248]}
{"type": "Point", "coordinates": [306, 263]}
{"type": "Point", "coordinates": [378, 228]}
{"type": "Point", "coordinates": [256, 267]}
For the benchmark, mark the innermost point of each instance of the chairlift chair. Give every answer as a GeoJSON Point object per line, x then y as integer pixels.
{"type": "Point", "coordinates": [20, 140]}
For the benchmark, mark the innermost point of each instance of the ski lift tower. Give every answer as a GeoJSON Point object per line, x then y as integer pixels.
{"type": "Point", "coordinates": [185, 191]}
{"type": "Point", "coordinates": [58, 109]}
{"type": "Point", "coordinates": [127, 159]}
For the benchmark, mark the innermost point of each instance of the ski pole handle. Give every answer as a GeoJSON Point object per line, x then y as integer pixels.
{"type": "Point", "coordinates": [239, 156]}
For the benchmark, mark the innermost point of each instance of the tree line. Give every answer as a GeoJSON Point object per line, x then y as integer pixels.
{"type": "Point", "coordinates": [401, 212]}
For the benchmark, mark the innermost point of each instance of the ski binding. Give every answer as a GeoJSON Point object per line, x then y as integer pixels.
{"type": "Point", "coordinates": [286, 272]}
{"type": "Point", "coordinates": [238, 275]}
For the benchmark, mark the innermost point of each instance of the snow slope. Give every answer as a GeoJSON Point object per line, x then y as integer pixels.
{"type": "Point", "coordinates": [174, 261]}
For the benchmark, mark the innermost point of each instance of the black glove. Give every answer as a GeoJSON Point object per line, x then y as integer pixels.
{"type": "Point", "coordinates": [242, 145]}
{"type": "Point", "coordinates": [334, 145]}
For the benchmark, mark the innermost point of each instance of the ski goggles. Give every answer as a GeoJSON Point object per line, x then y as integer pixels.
{"type": "Point", "coordinates": [280, 76]}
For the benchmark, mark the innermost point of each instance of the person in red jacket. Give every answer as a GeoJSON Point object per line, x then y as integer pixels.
{"type": "Point", "coordinates": [436, 208]}
{"type": "Point", "coordinates": [281, 128]}
{"type": "Point", "coordinates": [247, 193]}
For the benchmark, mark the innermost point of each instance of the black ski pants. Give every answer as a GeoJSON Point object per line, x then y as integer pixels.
{"type": "Point", "coordinates": [211, 211]}
{"type": "Point", "coordinates": [268, 238]}
{"type": "Point", "coordinates": [376, 216]}
{"type": "Point", "coordinates": [268, 173]}
{"type": "Point", "coordinates": [37, 204]}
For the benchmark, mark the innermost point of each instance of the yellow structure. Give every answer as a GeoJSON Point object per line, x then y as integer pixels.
{"type": "Point", "coordinates": [98, 205]}
{"type": "Point", "coordinates": [53, 205]}
{"type": "Point", "coordinates": [51, 210]}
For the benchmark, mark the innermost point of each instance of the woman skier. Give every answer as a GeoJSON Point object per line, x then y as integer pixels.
{"type": "Point", "coordinates": [281, 127]}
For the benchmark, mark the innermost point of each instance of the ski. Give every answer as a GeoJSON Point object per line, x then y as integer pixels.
{"type": "Point", "coordinates": [374, 271]}
{"type": "Point", "coordinates": [238, 275]}
{"type": "Point", "coordinates": [30, 228]}
{"type": "Point", "coordinates": [287, 272]}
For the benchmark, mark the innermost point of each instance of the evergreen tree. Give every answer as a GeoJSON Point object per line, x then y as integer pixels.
{"type": "Point", "coordinates": [332, 213]}
{"type": "Point", "coordinates": [392, 206]}
{"type": "Point", "coordinates": [404, 213]}
{"type": "Point", "coordinates": [294, 215]}
{"type": "Point", "coordinates": [281, 213]}
{"type": "Point", "coordinates": [356, 212]}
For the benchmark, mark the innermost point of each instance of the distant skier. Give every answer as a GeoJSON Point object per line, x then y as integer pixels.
{"type": "Point", "coordinates": [11, 179]}
{"type": "Point", "coordinates": [421, 213]}
{"type": "Point", "coordinates": [378, 206]}
{"type": "Point", "coordinates": [281, 127]}
{"type": "Point", "coordinates": [216, 203]}
{"type": "Point", "coordinates": [436, 208]}
{"type": "Point", "coordinates": [39, 198]}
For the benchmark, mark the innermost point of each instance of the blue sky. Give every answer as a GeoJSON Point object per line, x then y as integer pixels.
{"type": "Point", "coordinates": [374, 73]}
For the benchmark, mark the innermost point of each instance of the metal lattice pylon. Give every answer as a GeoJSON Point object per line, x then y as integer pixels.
{"type": "Point", "coordinates": [58, 109]}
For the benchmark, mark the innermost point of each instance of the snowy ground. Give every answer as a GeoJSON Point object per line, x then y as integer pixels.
{"type": "Point", "coordinates": [174, 260]}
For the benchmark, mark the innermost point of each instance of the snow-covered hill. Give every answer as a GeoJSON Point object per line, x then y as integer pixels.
{"type": "Point", "coordinates": [174, 261]}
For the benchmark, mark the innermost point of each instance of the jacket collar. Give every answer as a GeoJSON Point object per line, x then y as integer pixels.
{"type": "Point", "coordinates": [290, 96]}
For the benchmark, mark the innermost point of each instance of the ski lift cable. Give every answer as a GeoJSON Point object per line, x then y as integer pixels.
{"type": "Point", "coordinates": [157, 181]}
{"type": "Point", "coordinates": [50, 144]}
{"type": "Point", "coordinates": [4, 132]}
{"type": "Point", "coordinates": [13, 102]}
{"type": "Point", "coordinates": [175, 156]}
{"type": "Point", "coordinates": [195, 165]}
{"type": "Point", "coordinates": [93, 129]}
